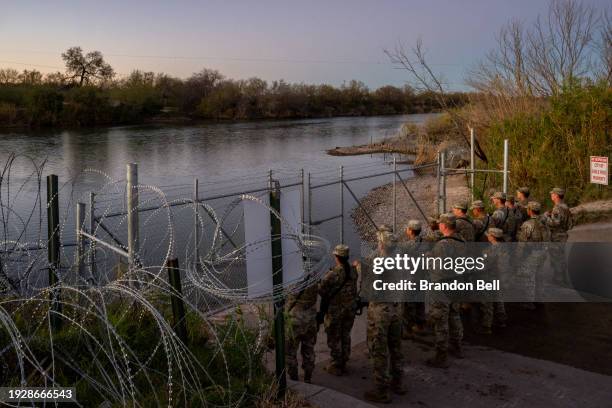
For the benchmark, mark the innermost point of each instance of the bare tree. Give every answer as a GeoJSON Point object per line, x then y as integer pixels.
{"type": "Point", "coordinates": [423, 78]}
{"type": "Point", "coordinates": [9, 76]}
{"type": "Point", "coordinates": [86, 68]}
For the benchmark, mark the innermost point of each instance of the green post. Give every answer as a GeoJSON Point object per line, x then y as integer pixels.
{"type": "Point", "coordinates": [277, 281]}
{"type": "Point", "coordinates": [53, 235]}
{"type": "Point", "coordinates": [178, 307]}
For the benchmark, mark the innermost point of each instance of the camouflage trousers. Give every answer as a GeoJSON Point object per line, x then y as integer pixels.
{"type": "Point", "coordinates": [385, 342]}
{"type": "Point", "coordinates": [338, 328]}
{"type": "Point", "coordinates": [303, 337]}
{"type": "Point", "coordinates": [446, 319]}
{"type": "Point", "coordinates": [492, 311]}
{"type": "Point", "coordinates": [413, 313]}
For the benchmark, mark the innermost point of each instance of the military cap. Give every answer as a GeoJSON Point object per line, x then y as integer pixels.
{"type": "Point", "coordinates": [495, 233]}
{"type": "Point", "coordinates": [432, 220]}
{"type": "Point", "coordinates": [523, 190]}
{"type": "Point", "coordinates": [477, 204]}
{"type": "Point", "coordinates": [448, 219]}
{"type": "Point", "coordinates": [499, 194]}
{"type": "Point", "coordinates": [386, 237]}
{"type": "Point", "coordinates": [341, 250]}
{"type": "Point", "coordinates": [460, 206]}
{"type": "Point", "coordinates": [534, 206]}
{"type": "Point", "coordinates": [558, 191]}
{"type": "Point", "coordinates": [385, 228]}
{"type": "Point", "coordinates": [414, 225]}
{"type": "Point", "coordinates": [510, 199]}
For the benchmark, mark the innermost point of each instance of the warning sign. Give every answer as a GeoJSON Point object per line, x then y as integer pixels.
{"type": "Point", "coordinates": [599, 170]}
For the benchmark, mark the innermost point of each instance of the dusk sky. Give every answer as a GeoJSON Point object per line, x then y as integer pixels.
{"type": "Point", "coordinates": [310, 41]}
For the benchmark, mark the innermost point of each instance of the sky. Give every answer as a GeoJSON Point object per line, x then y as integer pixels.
{"type": "Point", "coordinates": [299, 41]}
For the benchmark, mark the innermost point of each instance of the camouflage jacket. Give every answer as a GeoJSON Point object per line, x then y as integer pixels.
{"type": "Point", "coordinates": [446, 247]}
{"type": "Point", "coordinates": [340, 290]}
{"type": "Point", "coordinates": [481, 225]}
{"type": "Point", "coordinates": [503, 220]}
{"type": "Point", "coordinates": [533, 230]}
{"type": "Point", "coordinates": [302, 306]}
{"type": "Point", "coordinates": [518, 220]}
{"type": "Point", "coordinates": [433, 236]}
{"type": "Point", "coordinates": [522, 208]}
{"type": "Point", "coordinates": [465, 228]}
{"type": "Point", "coordinates": [559, 221]}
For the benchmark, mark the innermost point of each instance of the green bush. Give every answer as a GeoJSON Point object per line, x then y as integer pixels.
{"type": "Point", "coordinates": [552, 147]}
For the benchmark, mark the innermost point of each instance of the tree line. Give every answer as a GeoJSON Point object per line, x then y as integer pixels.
{"type": "Point", "coordinates": [89, 93]}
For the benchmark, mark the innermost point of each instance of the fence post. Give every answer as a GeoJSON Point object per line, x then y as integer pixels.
{"type": "Point", "coordinates": [309, 205]}
{"type": "Point", "coordinates": [441, 182]}
{"type": "Point", "coordinates": [178, 306]}
{"type": "Point", "coordinates": [53, 235]}
{"type": "Point", "coordinates": [92, 243]}
{"type": "Point", "coordinates": [196, 222]}
{"type": "Point", "coordinates": [277, 282]}
{"type": "Point", "coordinates": [472, 164]}
{"type": "Point", "coordinates": [132, 214]}
{"type": "Point", "coordinates": [341, 204]}
{"type": "Point", "coordinates": [80, 247]}
{"type": "Point", "coordinates": [505, 186]}
{"type": "Point", "coordinates": [394, 194]}
{"type": "Point", "coordinates": [302, 201]}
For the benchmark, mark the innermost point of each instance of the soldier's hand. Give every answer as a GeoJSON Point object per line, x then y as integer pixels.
{"type": "Point", "coordinates": [356, 263]}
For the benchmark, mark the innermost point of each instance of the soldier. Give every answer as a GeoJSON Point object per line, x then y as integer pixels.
{"type": "Point", "coordinates": [302, 324]}
{"type": "Point", "coordinates": [532, 230]}
{"type": "Point", "coordinates": [501, 216]}
{"type": "Point", "coordinates": [481, 221]}
{"type": "Point", "coordinates": [515, 212]}
{"type": "Point", "coordinates": [338, 290]}
{"type": "Point", "coordinates": [465, 228]}
{"type": "Point", "coordinates": [522, 199]}
{"type": "Point", "coordinates": [444, 312]}
{"type": "Point", "coordinates": [493, 311]}
{"type": "Point", "coordinates": [384, 338]}
{"type": "Point", "coordinates": [559, 220]}
{"type": "Point", "coordinates": [434, 234]}
{"type": "Point", "coordinates": [413, 312]}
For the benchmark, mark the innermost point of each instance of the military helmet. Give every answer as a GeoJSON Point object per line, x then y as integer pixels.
{"type": "Point", "coordinates": [385, 228]}
{"type": "Point", "coordinates": [461, 205]}
{"type": "Point", "coordinates": [523, 190]}
{"type": "Point", "coordinates": [341, 250]}
{"type": "Point", "coordinates": [558, 190]}
{"type": "Point", "coordinates": [499, 194]}
{"type": "Point", "coordinates": [477, 204]}
{"type": "Point", "coordinates": [414, 225]}
{"type": "Point", "coordinates": [448, 219]}
{"type": "Point", "coordinates": [534, 206]}
{"type": "Point", "coordinates": [495, 233]}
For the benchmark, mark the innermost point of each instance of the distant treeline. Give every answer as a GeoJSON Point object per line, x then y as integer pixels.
{"type": "Point", "coordinates": [30, 98]}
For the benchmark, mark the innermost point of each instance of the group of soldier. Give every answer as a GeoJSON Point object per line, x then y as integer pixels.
{"type": "Point", "coordinates": [513, 219]}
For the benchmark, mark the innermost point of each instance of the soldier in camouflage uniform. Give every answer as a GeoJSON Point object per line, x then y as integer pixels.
{"type": "Point", "coordinates": [522, 199]}
{"type": "Point", "coordinates": [515, 212]}
{"type": "Point", "coordinates": [338, 288]}
{"type": "Point", "coordinates": [434, 234]}
{"type": "Point", "coordinates": [465, 228]}
{"type": "Point", "coordinates": [302, 331]}
{"type": "Point", "coordinates": [532, 230]}
{"type": "Point", "coordinates": [493, 311]}
{"type": "Point", "coordinates": [384, 337]}
{"type": "Point", "coordinates": [444, 312]}
{"type": "Point", "coordinates": [413, 315]}
{"type": "Point", "coordinates": [501, 216]}
{"type": "Point", "coordinates": [559, 221]}
{"type": "Point", "coordinates": [481, 221]}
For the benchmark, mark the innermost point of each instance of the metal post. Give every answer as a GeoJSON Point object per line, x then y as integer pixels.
{"type": "Point", "coordinates": [472, 164]}
{"type": "Point", "coordinates": [505, 186]}
{"type": "Point", "coordinates": [277, 281]}
{"type": "Point", "coordinates": [309, 205]}
{"type": "Point", "coordinates": [132, 214]}
{"type": "Point", "coordinates": [196, 223]}
{"type": "Point", "coordinates": [341, 204]}
{"type": "Point", "coordinates": [302, 200]}
{"type": "Point", "coordinates": [394, 195]}
{"type": "Point", "coordinates": [92, 243]}
{"type": "Point", "coordinates": [443, 182]}
{"type": "Point", "coordinates": [53, 234]}
{"type": "Point", "coordinates": [80, 247]}
{"type": "Point", "coordinates": [176, 298]}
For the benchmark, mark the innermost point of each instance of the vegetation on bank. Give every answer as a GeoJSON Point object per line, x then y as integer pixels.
{"type": "Point", "coordinates": [88, 93]}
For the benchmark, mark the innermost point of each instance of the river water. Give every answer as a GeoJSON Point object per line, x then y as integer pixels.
{"type": "Point", "coordinates": [223, 156]}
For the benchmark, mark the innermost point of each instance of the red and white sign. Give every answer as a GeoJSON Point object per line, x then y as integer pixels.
{"type": "Point", "coordinates": [599, 170]}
